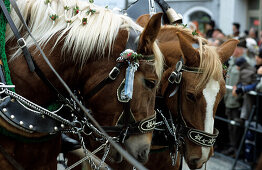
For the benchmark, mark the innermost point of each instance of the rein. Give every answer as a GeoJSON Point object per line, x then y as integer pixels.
{"type": "Point", "coordinates": [175, 131]}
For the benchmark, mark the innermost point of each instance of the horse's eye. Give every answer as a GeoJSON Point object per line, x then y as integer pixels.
{"type": "Point", "coordinates": [150, 83]}
{"type": "Point", "coordinates": [191, 97]}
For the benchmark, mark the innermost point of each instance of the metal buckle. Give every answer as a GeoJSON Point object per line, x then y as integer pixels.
{"type": "Point", "coordinates": [114, 73]}
{"type": "Point", "coordinates": [175, 77]}
{"type": "Point", "coordinates": [21, 42]}
{"type": "Point", "coordinates": [172, 77]}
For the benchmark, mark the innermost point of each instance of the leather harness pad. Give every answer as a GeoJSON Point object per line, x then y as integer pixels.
{"type": "Point", "coordinates": [26, 119]}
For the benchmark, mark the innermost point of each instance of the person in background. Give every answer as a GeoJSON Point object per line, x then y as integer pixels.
{"type": "Point", "coordinates": [252, 50]}
{"type": "Point", "coordinates": [247, 76]}
{"type": "Point", "coordinates": [233, 104]}
{"type": "Point", "coordinates": [260, 40]}
{"type": "Point", "coordinates": [252, 33]}
{"type": "Point", "coordinates": [258, 84]}
{"type": "Point", "coordinates": [210, 27]}
{"type": "Point", "coordinates": [236, 30]}
{"type": "Point", "coordinates": [250, 139]}
{"type": "Point", "coordinates": [259, 71]}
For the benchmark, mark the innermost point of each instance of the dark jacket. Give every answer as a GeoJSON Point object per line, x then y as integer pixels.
{"type": "Point", "coordinates": [247, 74]}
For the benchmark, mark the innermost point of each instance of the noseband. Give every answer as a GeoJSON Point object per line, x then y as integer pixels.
{"type": "Point", "coordinates": [176, 131]}
{"type": "Point", "coordinates": [126, 124]}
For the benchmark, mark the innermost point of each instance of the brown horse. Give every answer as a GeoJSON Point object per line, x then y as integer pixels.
{"type": "Point", "coordinates": [201, 88]}
{"type": "Point", "coordinates": [82, 41]}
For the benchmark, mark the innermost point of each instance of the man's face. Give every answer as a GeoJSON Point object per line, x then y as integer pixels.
{"type": "Point", "coordinates": [238, 52]}
{"type": "Point", "coordinates": [234, 29]}
{"type": "Point", "coordinates": [258, 60]}
{"type": "Point", "coordinates": [208, 27]}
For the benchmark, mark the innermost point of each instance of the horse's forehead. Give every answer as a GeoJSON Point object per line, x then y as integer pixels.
{"type": "Point", "coordinates": [191, 80]}
{"type": "Point", "coordinates": [148, 69]}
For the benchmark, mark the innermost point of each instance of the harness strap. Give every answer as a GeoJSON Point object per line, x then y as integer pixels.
{"type": "Point", "coordinates": [21, 42]}
{"type": "Point", "coordinates": [42, 76]}
{"type": "Point", "coordinates": [2, 76]}
{"type": "Point", "coordinates": [110, 78]}
{"type": "Point", "coordinates": [144, 126]}
{"type": "Point", "coordinates": [10, 159]}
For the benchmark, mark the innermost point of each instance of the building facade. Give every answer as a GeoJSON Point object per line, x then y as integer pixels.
{"type": "Point", "coordinates": [224, 12]}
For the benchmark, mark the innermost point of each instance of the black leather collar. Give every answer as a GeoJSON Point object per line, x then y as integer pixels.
{"type": "Point", "coordinates": [28, 120]}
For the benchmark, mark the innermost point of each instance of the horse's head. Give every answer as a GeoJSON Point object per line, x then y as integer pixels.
{"type": "Point", "coordinates": [194, 103]}
{"type": "Point", "coordinates": [85, 44]}
{"type": "Point", "coordinates": [107, 104]}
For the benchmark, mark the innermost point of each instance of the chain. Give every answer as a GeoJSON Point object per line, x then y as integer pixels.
{"type": "Point", "coordinates": [36, 107]}
{"type": "Point", "coordinates": [88, 156]}
{"type": "Point", "coordinates": [166, 123]}
{"type": "Point", "coordinates": [104, 156]}
{"type": "Point", "coordinates": [172, 131]}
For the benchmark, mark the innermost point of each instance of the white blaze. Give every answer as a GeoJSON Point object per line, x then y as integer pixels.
{"type": "Point", "coordinates": [210, 94]}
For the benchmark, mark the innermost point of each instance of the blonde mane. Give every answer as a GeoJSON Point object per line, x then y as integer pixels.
{"type": "Point", "coordinates": [90, 30]}
{"type": "Point", "coordinates": [211, 64]}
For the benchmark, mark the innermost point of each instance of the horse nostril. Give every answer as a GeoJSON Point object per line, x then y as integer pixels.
{"type": "Point", "coordinates": [194, 162]}
{"type": "Point", "coordinates": [142, 154]}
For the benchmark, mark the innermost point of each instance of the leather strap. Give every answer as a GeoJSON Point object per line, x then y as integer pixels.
{"type": "Point", "coordinates": [20, 40]}
{"type": "Point", "coordinates": [2, 76]}
{"type": "Point", "coordinates": [110, 78]}
{"type": "Point", "coordinates": [42, 76]}
{"type": "Point", "coordinates": [10, 159]}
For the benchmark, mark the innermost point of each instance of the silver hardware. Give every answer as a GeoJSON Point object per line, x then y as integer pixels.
{"type": "Point", "coordinates": [2, 85]}
{"type": "Point", "coordinates": [56, 128]}
{"type": "Point", "coordinates": [21, 122]}
{"type": "Point", "coordinates": [179, 66]}
{"type": "Point", "coordinates": [4, 110]}
{"type": "Point", "coordinates": [152, 8]}
{"type": "Point", "coordinates": [72, 115]}
{"type": "Point", "coordinates": [21, 42]}
{"type": "Point", "coordinates": [31, 126]}
{"type": "Point", "coordinates": [62, 125]}
{"type": "Point", "coordinates": [114, 70]}
{"type": "Point", "coordinates": [43, 116]}
{"type": "Point", "coordinates": [174, 17]}
{"type": "Point", "coordinates": [12, 116]}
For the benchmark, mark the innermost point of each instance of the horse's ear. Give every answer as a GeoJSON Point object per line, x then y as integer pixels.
{"type": "Point", "coordinates": [190, 53]}
{"type": "Point", "coordinates": [149, 33]}
{"type": "Point", "coordinates": [226, 49]}
{"type": "Point", "coordinates": [143, 20]}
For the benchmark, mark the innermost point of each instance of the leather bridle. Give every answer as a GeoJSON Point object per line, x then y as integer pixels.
{"type": "Point", "coordinates": [176, 130]}
{"type": "Point", "coordinates": [126, 124]}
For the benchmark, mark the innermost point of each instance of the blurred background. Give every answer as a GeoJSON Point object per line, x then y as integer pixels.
{"type": "Point", "coordinates": [248, 13]}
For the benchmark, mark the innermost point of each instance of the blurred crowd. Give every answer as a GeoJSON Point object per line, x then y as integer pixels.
{"type": "Point", "coordinates": [244, 74]}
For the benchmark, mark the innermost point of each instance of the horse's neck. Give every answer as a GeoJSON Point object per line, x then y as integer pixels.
{"type": "Point", "coordinates": [29, 85]}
